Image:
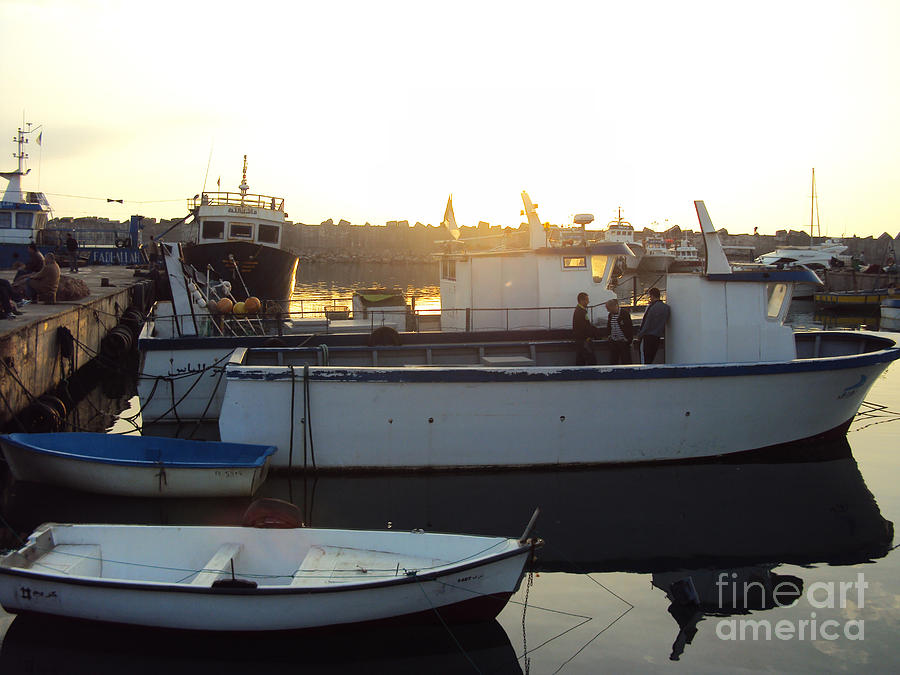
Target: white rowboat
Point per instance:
(255, 579)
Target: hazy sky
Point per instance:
(376, 111)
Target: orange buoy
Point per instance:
(252, 305)
(225, 305)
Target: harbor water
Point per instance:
(746, 565)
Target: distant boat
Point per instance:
(687, 258)
(817, 257)
(657, 256)
(258, 579)
(139, 466)
(25, 215)
(240, 238)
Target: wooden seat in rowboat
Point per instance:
(334, 564)
(218, 565)
(71, 559)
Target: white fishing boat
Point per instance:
(657, 257)
(687, 258)
(258, 579)
(524, 288)
(137, 466)
(529, 291)
(25, 219)
(621, 231)
(728, 385)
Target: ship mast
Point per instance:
(243, 187)
(14, 188)
(814, 209)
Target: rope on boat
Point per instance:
(449, 632)
(874, 411)
(307, 416)
(291, 442)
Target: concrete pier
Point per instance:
(31, 362)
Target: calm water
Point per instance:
(606, 588)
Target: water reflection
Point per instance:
(675, 523)
(695, 594)
(98, 649)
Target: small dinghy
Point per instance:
(255, 579)
(137, 466)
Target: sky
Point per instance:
(377, 111)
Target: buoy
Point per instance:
(253, 305)
(225, 305)
(213, 307)
(240, 308)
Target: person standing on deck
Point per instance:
(72, 248)
(653, 325)
(621, 333)
(584, 330)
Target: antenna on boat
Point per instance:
(243, 187)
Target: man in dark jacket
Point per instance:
(72, 248)
(653, 325)
(621, 333)
(584, 330)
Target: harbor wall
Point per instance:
(35, 357)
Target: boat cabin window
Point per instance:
(267, 234)
(5, 220)
(574, 262)
(240, 231)
(24, 221)
(213, 229)
(598, 267)
(448, 270)
(778, 294)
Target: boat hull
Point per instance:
(474, 590)
(268, 272)
(130, 476)
(471, 417)
(656, 264)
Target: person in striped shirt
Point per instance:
(621, 332)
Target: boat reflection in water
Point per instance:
(673, 522)
(88, 648)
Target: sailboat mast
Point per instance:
(813, 210)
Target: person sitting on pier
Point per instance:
(621, 333)
(35, 260)
(584, 330)
(45, 282)
(8, 309)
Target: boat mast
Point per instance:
(814, 209)
(243, 187)
(14, 191)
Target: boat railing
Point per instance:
(237, 200)
(333, 315)
(91, 237)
